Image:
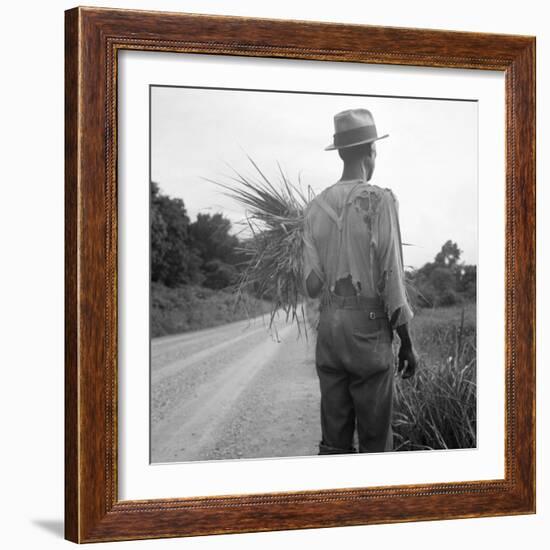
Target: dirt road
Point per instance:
(233, 392)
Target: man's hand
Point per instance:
(408, 361)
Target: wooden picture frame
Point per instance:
(93, 511)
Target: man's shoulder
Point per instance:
(352, 190)
(380, 191)
(323, 196)
(380, 194)
(383, 194)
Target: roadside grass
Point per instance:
(436, 409)
(185, 308)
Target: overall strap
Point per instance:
(331, 213)
(347, 201)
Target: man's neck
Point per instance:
(354, 172)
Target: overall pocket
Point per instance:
(372, 345)
(367, 329)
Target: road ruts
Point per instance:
(235, 391)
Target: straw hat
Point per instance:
(353, 127)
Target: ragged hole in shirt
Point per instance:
(367, 201)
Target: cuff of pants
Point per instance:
(328, 450)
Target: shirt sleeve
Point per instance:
(390, 255)
(311, 260)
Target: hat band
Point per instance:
(355, 135)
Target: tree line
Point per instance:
(202, 252)
(205, 253)
(444, 282)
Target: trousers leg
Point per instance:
(369, 361)
(337, 410)
(373, 400)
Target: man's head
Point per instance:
(354, 137)
(363, 155)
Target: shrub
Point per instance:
(175, 310)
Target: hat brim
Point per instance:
(332, 147)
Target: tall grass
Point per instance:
(436, 409)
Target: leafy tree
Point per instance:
(173, 258)
(211, 236)
(159, 233)
(445, 281)
(219, 275)
(217, 249)
(449, 255)
(203, 252)
(442, 278)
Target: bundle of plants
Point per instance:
(273, 247)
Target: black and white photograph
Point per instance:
(313, 273)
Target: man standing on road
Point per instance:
(353, 261)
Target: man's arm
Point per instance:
(313, 272)
(395, 295)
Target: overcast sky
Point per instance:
(429, 161)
